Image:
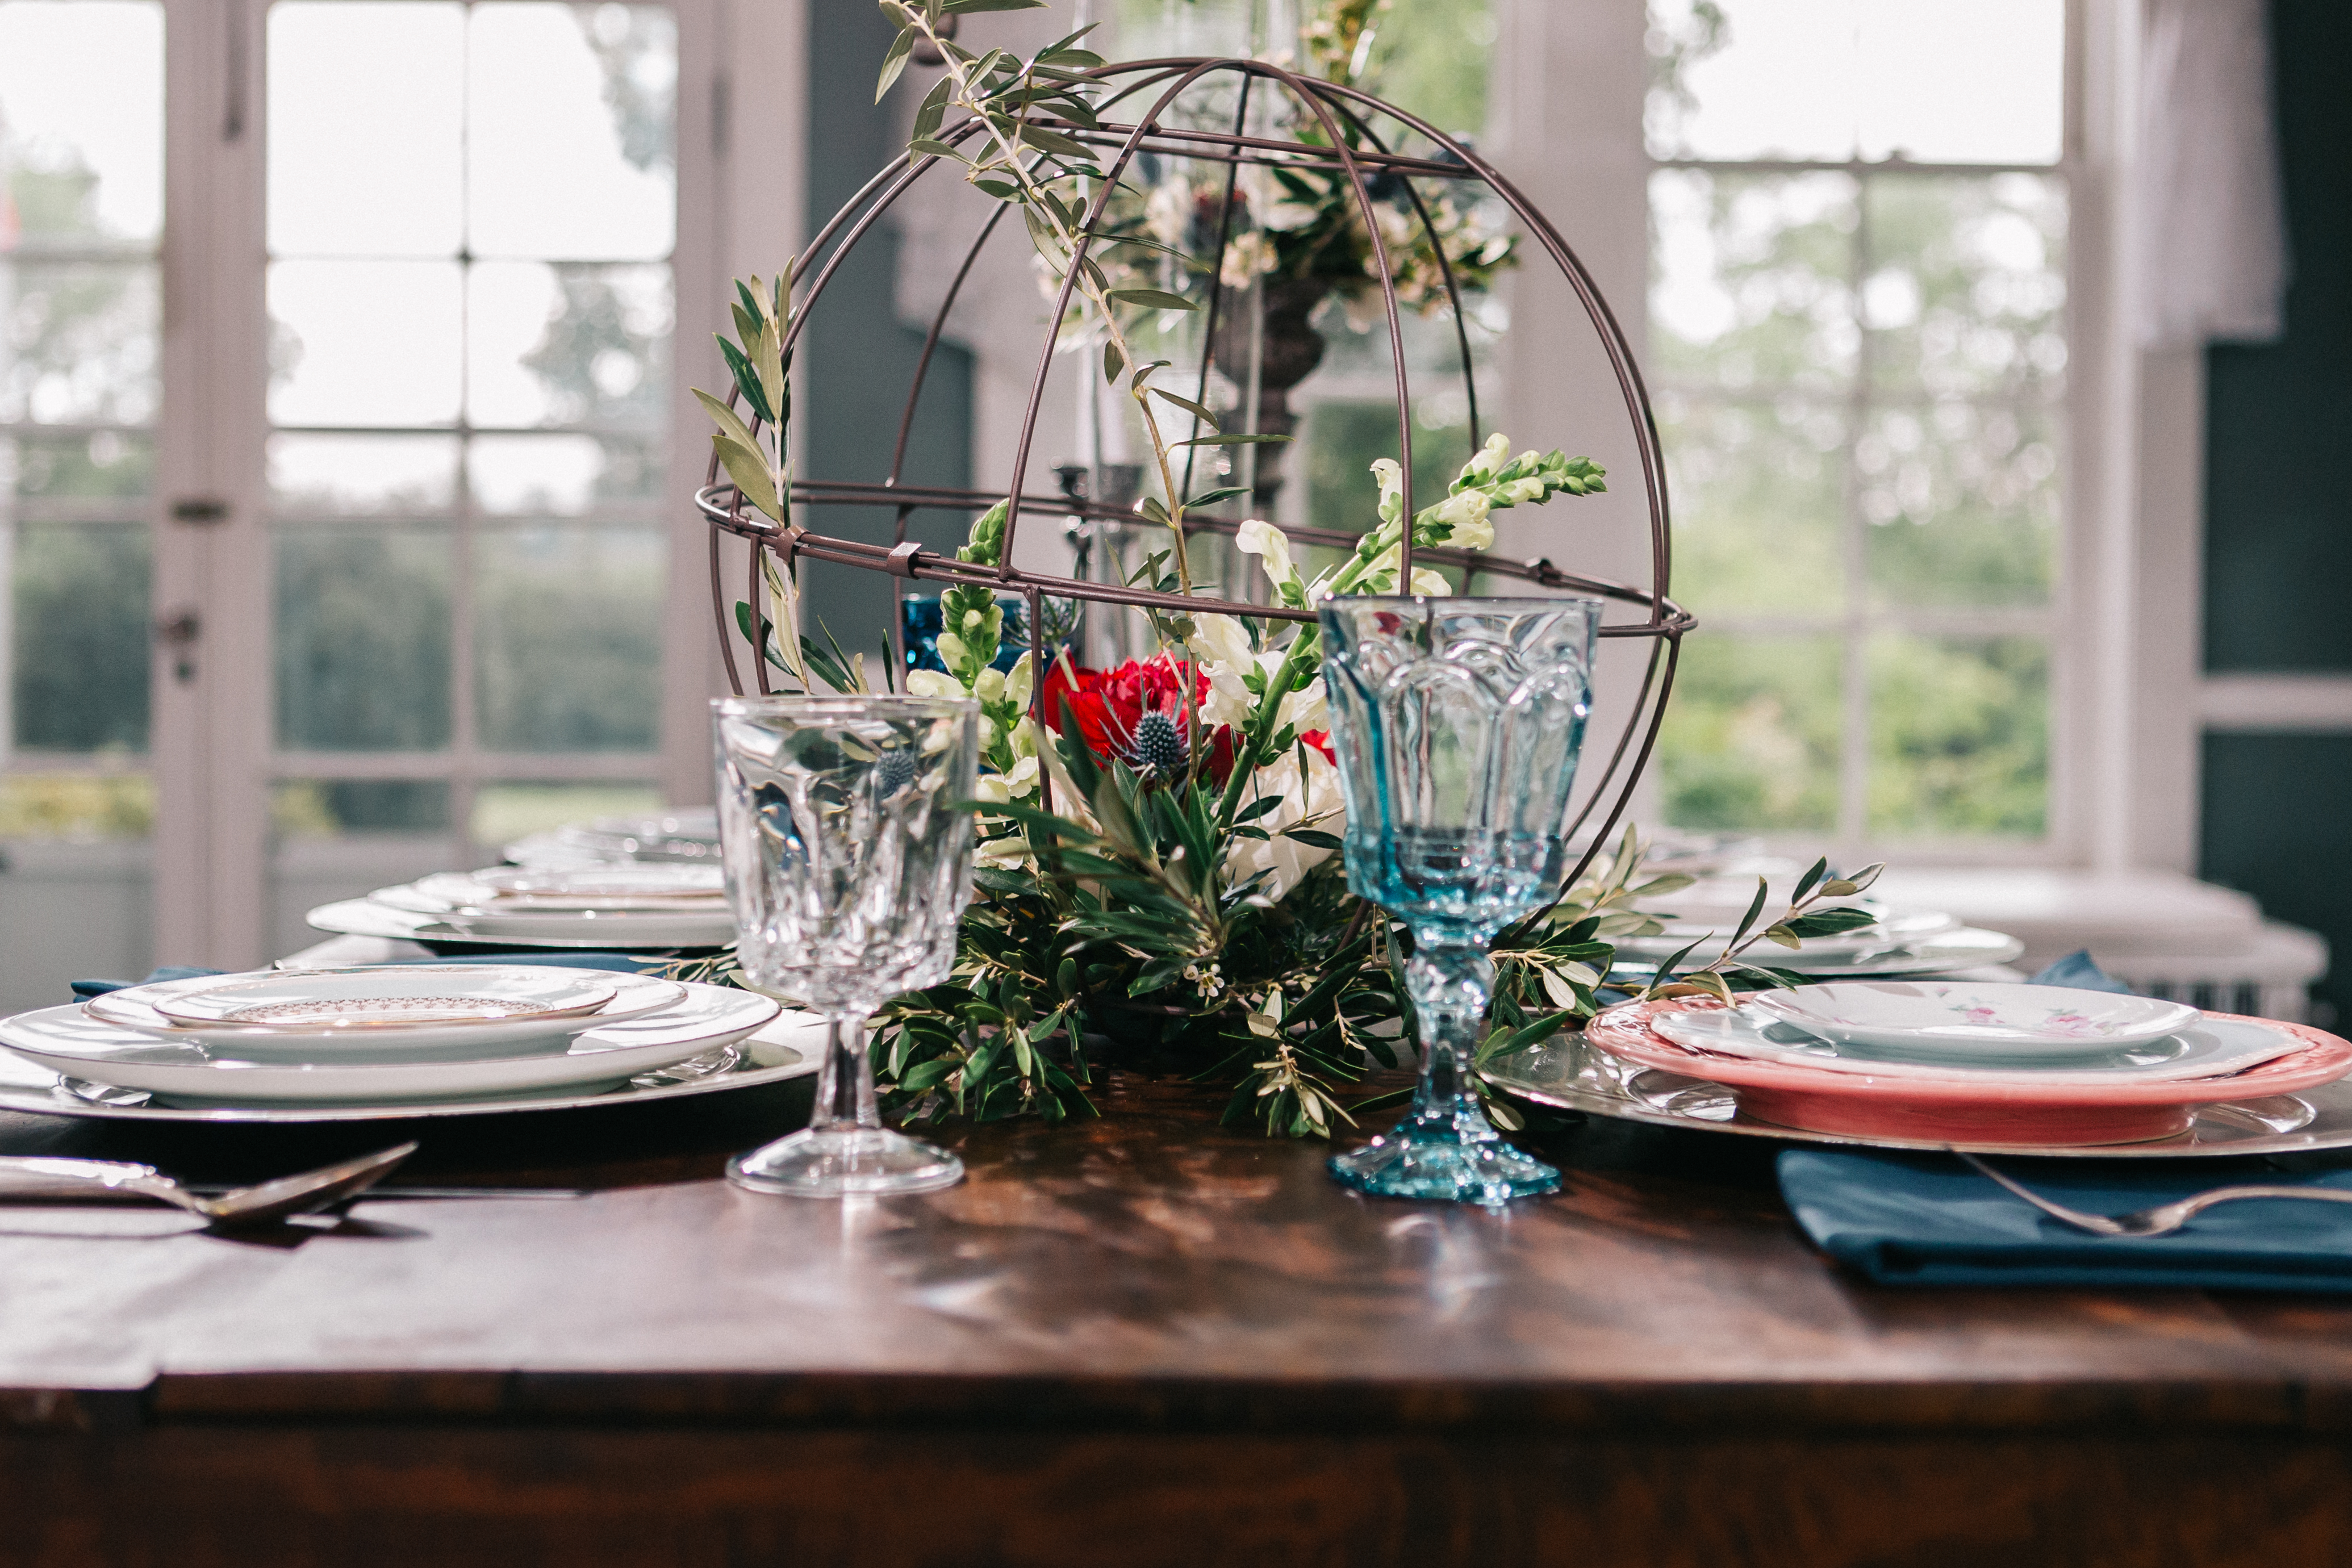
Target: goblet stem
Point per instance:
(846, 1151)
(844, 1084)
(1446, 1147)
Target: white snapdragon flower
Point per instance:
(1430, 582)
(989, 685)
(1222, 647)
(1312, 801)
(1488, 459)
(934, 683)
(1305, 708)
(1391, 474)
(1271, 546)
(1464, 516)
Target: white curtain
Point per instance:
(2212, 239)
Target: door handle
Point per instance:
(179, 630)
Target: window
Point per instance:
(470, 313)
(1858, 351)
(359, 569)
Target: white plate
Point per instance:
(395, 997)
(1963, 947)
(69, 1042)
(136, 1007)
(2204, 1049)
(790, 1047)
(457, 901)
(1893, 928)
(689, 835)
(653, 886)
(1949, 1019)
(370, 917)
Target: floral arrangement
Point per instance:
(1157, 866)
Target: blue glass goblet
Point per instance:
(1457, 723)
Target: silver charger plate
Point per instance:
(1566, 1073)
(24, 1086)
(365, 917)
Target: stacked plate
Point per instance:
(387, 1036)
(1896, 943)
(689, 836)
(625, 906)
(2014, 1065)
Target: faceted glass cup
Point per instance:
(845, 827)
(1457, 723)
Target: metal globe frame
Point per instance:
(1337, 111)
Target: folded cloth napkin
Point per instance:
(617, 963)
(1927, 1219)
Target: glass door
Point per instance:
(470, 215)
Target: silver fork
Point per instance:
(2165, 1217)
(39, 1178)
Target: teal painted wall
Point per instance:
(2278, 488)
(857, 357)
(2278, 509)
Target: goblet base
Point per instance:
(1452, 1154)
(845, 1162)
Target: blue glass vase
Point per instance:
(1457, 723)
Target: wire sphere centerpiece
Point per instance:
(1400, 199)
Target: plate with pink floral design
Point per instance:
(1947, 1019)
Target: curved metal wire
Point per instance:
(1330, 106)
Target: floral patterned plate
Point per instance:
(1924, 1021)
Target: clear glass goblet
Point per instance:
(848, 845)
(1457, 724)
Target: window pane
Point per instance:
(327, 476)
(326, 809)
(364, 342)
(563, 476)
(78, 342)
(567, 638)
(1751, 279)
(1751, 735)
(81, 123)
(1983, 82)
(365, 127)
(570, 135)
(1965, 290)
(567, 345)
(78, 648)
(505, 812)
(362, 638)
(78, 807)
(1963, 504)
(1959, 737)
(1759, 493)
(104, 465)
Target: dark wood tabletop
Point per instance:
(1142, 1339)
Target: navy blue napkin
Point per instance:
(615, 963)
(1927, 1219)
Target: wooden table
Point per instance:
(1140, 1341)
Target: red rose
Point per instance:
(1109, 704)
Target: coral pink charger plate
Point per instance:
(1983, 1109)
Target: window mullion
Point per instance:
(1854, 725)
